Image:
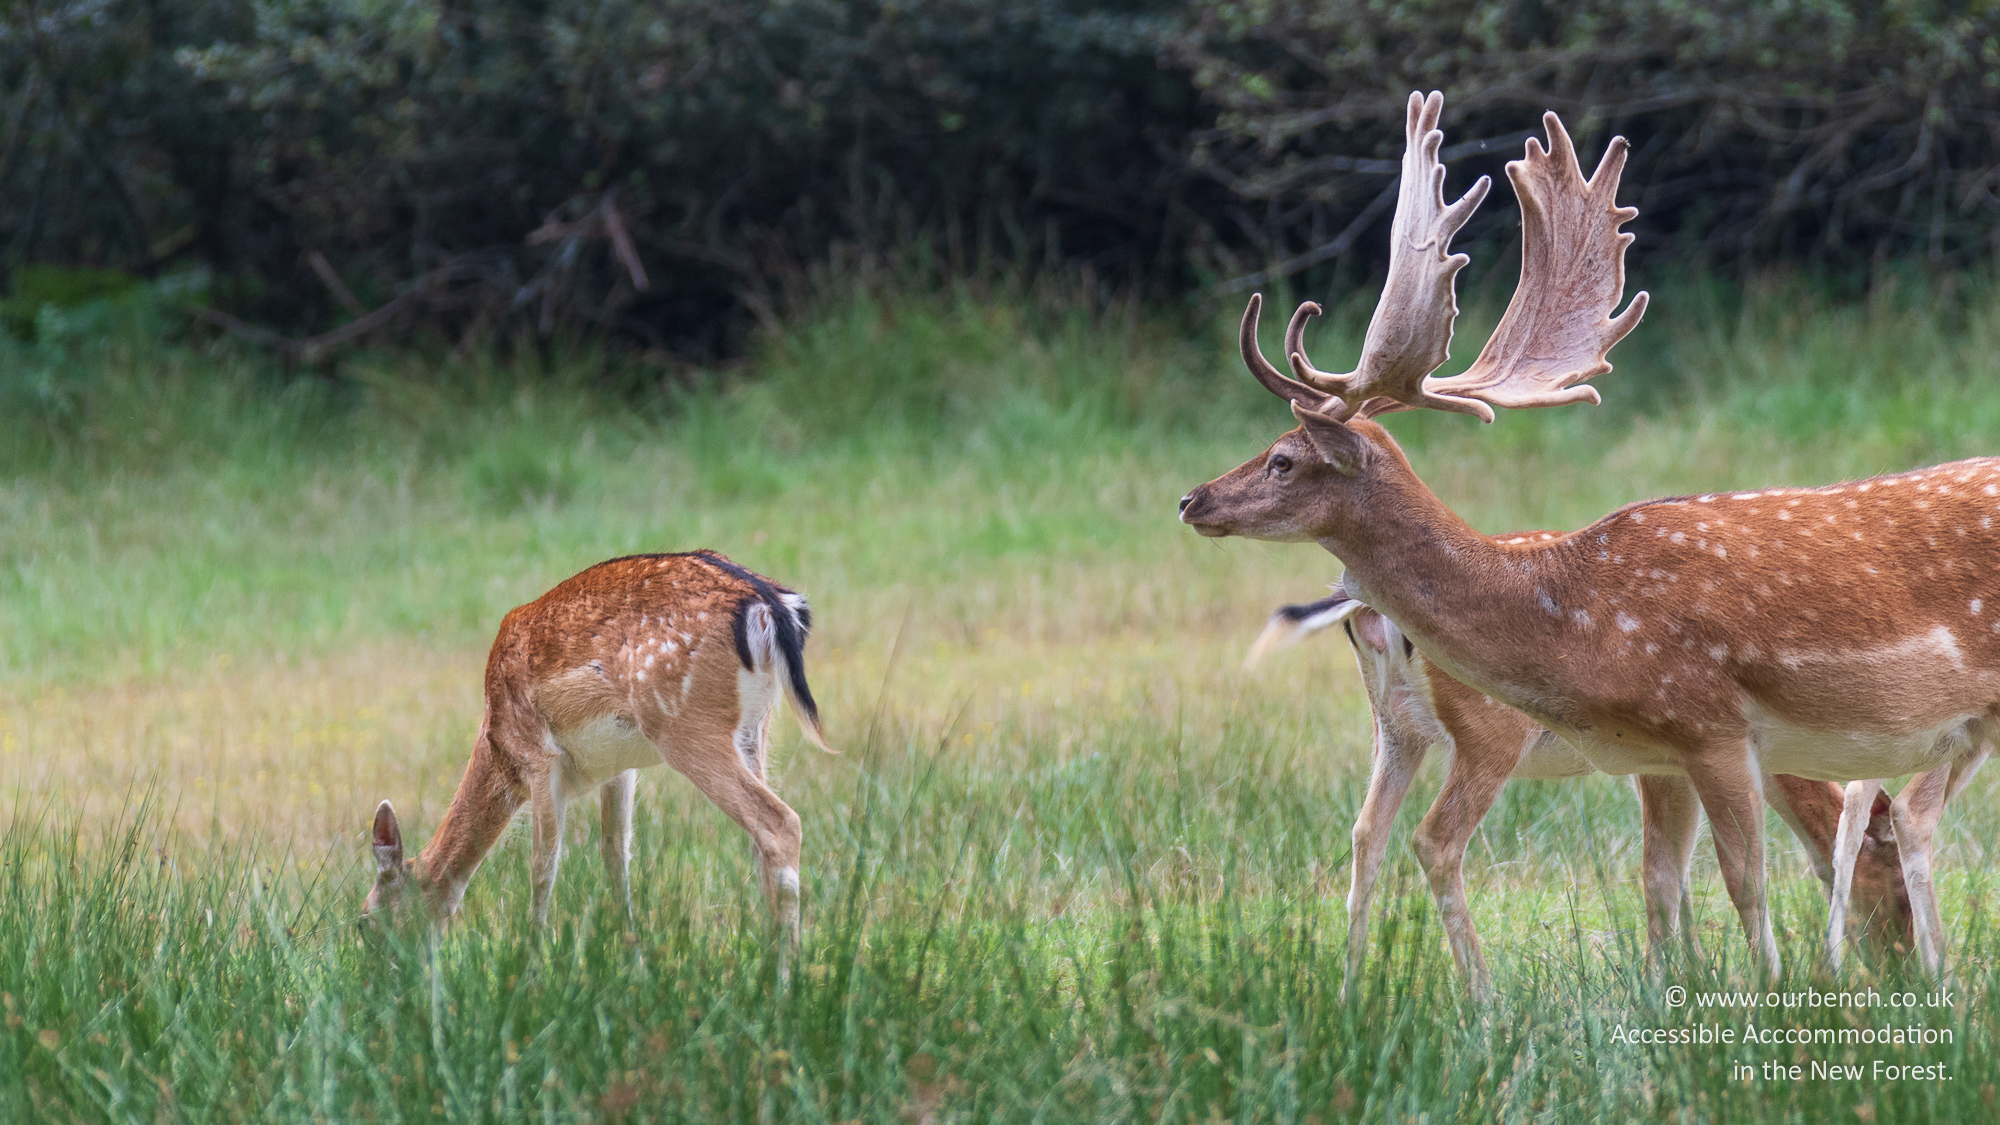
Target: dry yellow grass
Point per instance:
(295, 752)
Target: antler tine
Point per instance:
(1557, 329)
(1295, 352)
(1410, 333)
(1273, 379)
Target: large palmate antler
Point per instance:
(1555, 332)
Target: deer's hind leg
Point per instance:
(1917, 810)
(722, 751)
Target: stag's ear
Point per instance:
(388, 840)
(1342, 448)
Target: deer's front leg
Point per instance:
(1478, 770)
(1876, 892)
(545, 804)
(1670, 819)
(615, 822)
(1732, 795)
(1855, 807)
(1398, 754)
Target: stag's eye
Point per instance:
(1280, 463)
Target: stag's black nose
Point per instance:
(1186, 500)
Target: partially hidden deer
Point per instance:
(1914, 814)
(637, 661)
(1416, 706)
(1831, 633)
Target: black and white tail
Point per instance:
(773, 626)
(1291, 624)
(776, 622)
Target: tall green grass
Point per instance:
(1073, 866)
(1115, 936)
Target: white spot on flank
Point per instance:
(1677, 537)
(1783, 514)
(1654, 650)
(1977, 605)
(649, 661)
(1582, 617)
(1719, 652)
(1627, 622)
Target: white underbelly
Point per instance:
(1548, 757)
(596, 751)
(1620, 756)
(1849, 756)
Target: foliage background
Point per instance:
(316, 159)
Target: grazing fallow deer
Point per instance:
(637, 661)
(1832, 633)
(1416, 706)
(1915, 816)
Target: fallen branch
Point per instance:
(310, 349)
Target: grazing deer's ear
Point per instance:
(1342, 448)
(388, 840)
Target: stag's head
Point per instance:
(1319, 479)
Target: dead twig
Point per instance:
(341, 292)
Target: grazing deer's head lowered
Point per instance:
(1835, 633)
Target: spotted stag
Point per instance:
(1416, 706)
(634, 662)
(1832, 633)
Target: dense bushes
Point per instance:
(1816, 130)
(655, 168)
(669, 171)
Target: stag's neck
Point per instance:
(1488, 613)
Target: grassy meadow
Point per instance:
(1073, 864)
